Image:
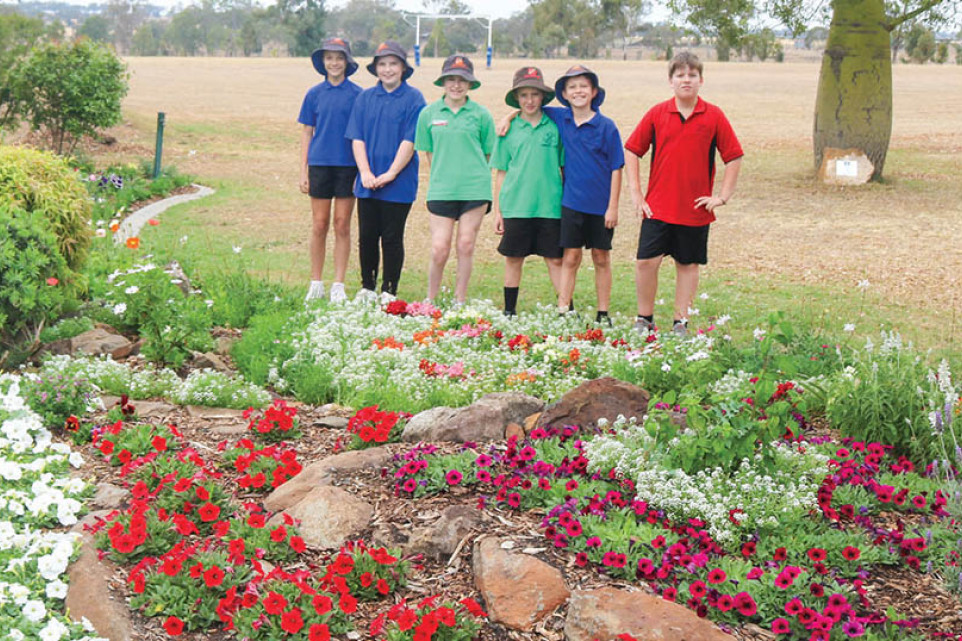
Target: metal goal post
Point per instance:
(487, 21)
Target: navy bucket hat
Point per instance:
(573, 72)
(391, 48)
(340, 45)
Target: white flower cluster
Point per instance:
(37, 492)
(346, 345)
(203, 387)
(732, 385)
(731, 504)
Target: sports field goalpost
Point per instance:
(487, 21)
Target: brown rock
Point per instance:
(89, 595)
(153, 409)
(515, 430)
(607, 612)
(518, 589)
(320, 473)
(331, 422)
(440, 539)
(484, 420)
(329, 516)
(845, 167)
(209, 360)
(603, 397)
(109, 496)
(199, 411)
(224, 345)
(531, 422)
(99, 341)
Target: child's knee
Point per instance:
(601, 259)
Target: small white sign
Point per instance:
(846, 168)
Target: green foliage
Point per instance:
(39, 182)
(95, 27)
(920, 43)
(116, 188)
(17, 34)
(35, 281)
(71, 90)
(66, 328)
(55, 397)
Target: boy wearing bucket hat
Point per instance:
(592, 182)
(382, 127)
(456, 134)
(679, 206)
(527, 192)
(328, 169)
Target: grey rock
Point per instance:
(439, 540)
(109, 496)
(98, 341)
(328, 516)
(484, 420)
(89, 595)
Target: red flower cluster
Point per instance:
(265, 468)
(428, 617)
(370, 426)
(278, 422)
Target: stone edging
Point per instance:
(133, 223)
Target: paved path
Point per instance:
(133, 223)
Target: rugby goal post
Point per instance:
(487, 21)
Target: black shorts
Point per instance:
(584, 230)
(687, 245)
(331, 182)
(526, 236)
(456, 208)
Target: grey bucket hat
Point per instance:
(573, 72)
(458, 65)
(339, 45)
(528, 77)
(391, 48)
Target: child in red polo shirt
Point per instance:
(683, 134)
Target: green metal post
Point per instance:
(159, 147)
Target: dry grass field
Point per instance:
(232, 123)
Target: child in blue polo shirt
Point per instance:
(382, 127)
(328, 169)
(594, 160)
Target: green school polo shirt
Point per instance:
(532, 158)
(459, 143)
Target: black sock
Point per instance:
(571, 305)
(650, 319)
(511, 300)
(600, 316)
(680, 322)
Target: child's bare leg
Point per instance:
(442, 229)
(554, 273)
(570, 263)
(321, 214)
(468, 226)
(512, 270)
(602, 260)
(343, 207)
(686, 284)
(646, 284)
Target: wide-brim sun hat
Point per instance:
(528, 77)
(391, 48)
(573, 72)
(340, 45)
(458, 65)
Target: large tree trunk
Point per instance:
(853, 109)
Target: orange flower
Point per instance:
(115, 227)
(133, 242)
(52, 281)
(153, 222)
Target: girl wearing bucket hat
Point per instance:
(328, 169)
(381, 128)
(456, 135)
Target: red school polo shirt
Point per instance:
(683, 158)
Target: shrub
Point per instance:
(39, 182)
(56, 397)
(17, 35)
(34, 279)
(71, 90)
(66, 328)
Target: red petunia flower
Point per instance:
(213, 577)
(208, 512)
(318, 632)
(292, 621)
(174, 626)
(274, 603)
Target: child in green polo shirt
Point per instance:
(456, 136)
(527, 191)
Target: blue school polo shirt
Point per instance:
(383, 120)
(592, 151)
(327, 108)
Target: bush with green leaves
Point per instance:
(117, 187)
(35, 282)
(38, 182)
(70, 90)
(17, 34)
(56, 397)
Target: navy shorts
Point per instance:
(526, 236)
(331, 182)
(584, 230)
(456, 208)
(687, 245)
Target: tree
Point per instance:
(149, 39)
(124, 17)
(305, 21)
(96, 27)
(920, 43)
(71, 90)
(17, 34)
(623, 17)
(853, 107)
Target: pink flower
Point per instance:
(781, 626)
(453, 477)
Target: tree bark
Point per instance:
(853, 109)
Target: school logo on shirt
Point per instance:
(439, 123)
